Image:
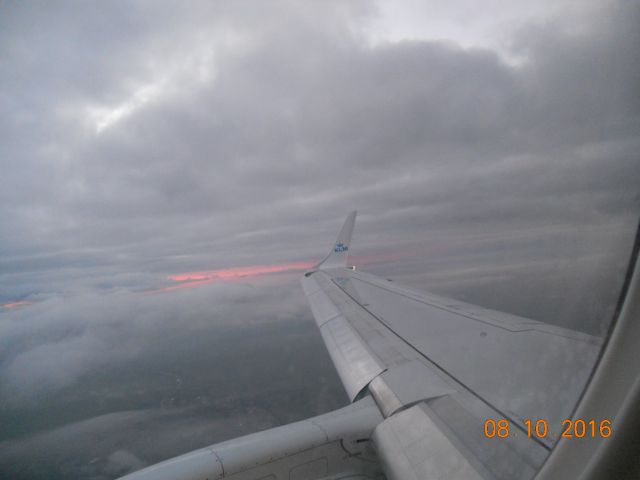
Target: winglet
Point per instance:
(337, 257)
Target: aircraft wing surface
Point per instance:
(439, 368)
(424, 374)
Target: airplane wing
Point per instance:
(425, 373)
(439, 368)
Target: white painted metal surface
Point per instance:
(355, 362)
(526, 369)
(405, 385)
(412, 447)
(468, 362)
(337, 256)
(319, 447)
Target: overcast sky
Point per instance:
(148, 138)
(485, 145)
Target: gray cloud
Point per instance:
(297, 122)
(140, 140)
(51, 344)
(105, 383)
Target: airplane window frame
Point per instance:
(613, 392)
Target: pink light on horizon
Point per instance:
(205, 277)
(18, 304)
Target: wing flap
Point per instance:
(407, 384)
(412, 447)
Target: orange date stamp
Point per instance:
(577, 428)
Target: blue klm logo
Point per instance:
(341, 247)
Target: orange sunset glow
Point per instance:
(205, 277)
(19, 304)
